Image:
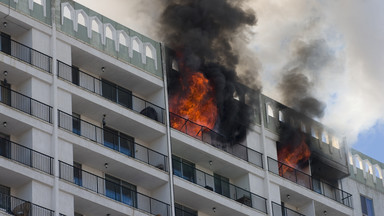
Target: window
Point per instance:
(76, 124)
(181, 210)
(270, 111)
(38, 2)
(67, 12)
(81, 19)
(183, 168)
(5, 93)
(119, 141)
(122, 39)
(135, 45)
(5, 199)
(117, 94)
(95, 26)
(120, 190)
(5, 146)
(148, 52)
(366, 206)
(77, 174)
(221, 185)
(108, 33)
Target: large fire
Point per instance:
(294, 156)
(195, 103)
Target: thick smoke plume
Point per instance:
(203, 35)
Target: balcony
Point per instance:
(25, 53)
(214, 139)
(26, 156)
(112, 190)
(124, 146)
(309, 182)
(110, 91)
(221, 187)
(16, 206)
(25, 104)
(279, 210)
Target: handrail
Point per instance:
(95, 85)
(282, 210)
(309, 182)
(226, 189)
(97, 134)
(25, 104)
(103, 186)
(17, 206)
(25, 53)
(26, 156)
(215, 139)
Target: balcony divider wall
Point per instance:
(112, 190)
(97, 134)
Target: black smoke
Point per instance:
(202, 34)
(309, 60)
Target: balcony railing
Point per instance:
(25, 104)
(221, 187)
(215, 139)
(279, 210)
(25, 53)
(97, 134)
(16, 206)
(26, 156)
(112, 190)
(309, 182)
(110, 91)
(181, 212)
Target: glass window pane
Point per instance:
(127, 145)
(109, 90)
(112, 186)
(111, 138)
(125, 97)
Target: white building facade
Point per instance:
(85, 131)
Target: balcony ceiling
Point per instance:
(92, 64)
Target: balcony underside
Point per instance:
(201, 153)
(119, 165)
(13, 174)
(197, 197)
(137, 81)
(125, 120)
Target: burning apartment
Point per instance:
(97, 119)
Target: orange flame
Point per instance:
(196, 103)
(293, 157)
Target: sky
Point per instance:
(344, 40)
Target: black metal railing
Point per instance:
(181, 212)
(25, 104)
(112, 190)
(97, 134)
(25, 53)
(221, 187)
(279, 210)
(215, 139)
(16, 206)
(26, 156)
(309, 182)
(110, 91)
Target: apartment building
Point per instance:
(86, 130)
